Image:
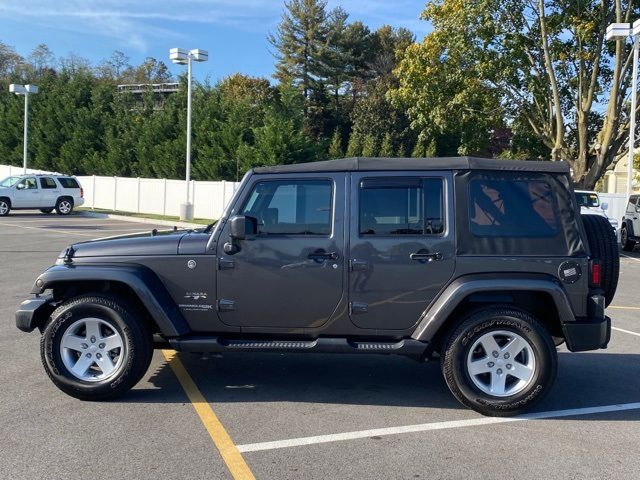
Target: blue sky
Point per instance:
(234, 31)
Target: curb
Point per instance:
(125, 218)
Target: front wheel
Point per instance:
(94, 347)
(499, 361)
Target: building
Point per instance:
(615, 180)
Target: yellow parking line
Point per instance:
(230, 454)
(623, 308)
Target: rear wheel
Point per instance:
(46, 211)
(5, 207)
(94, 347)
(64, 206)
(499, 361)
(627, 244)
(604, 248)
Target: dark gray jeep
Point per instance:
(484, 264)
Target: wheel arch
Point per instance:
(467, 294)
(136, 284)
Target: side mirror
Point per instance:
(604, 206)
(243, 228)
(21, 186)
(240, 228)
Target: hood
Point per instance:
(592, 211)
(141, 244)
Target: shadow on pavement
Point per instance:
(584, 380)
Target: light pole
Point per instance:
(619, 31)
(184, 57)
(25, 90)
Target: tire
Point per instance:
(604, 248)
(627, 244)
(536, 362)
(64, 206)
(115, 320)
(5, 207)
(46, 211)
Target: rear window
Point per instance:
(507, 208)
(587, 199)
(69, 182)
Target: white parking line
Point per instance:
(75, 232)
(625, 331)
(297, 442)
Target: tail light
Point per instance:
(595, 274)
(81, 192)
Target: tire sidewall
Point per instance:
(463, 339)
(52, 336)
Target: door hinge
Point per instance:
(225, 264)
(224, 305)
(358, 307)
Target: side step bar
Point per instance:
(407, 347)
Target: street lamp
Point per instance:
(25, 90)
(181, 56)
(618, 31)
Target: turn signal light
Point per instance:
(595, 274)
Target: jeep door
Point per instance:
(26, 194)
(401, 246)
(290, 275)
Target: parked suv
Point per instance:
(483, 264)
(630, 230)
(589, 203)
(40, 192)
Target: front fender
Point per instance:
(144, 283)
(437, 313)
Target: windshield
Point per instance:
(587, 199)
(9, 182)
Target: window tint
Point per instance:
(507, 208)
(47, 182)
(401, 206)
(297, 207)
(69, 182)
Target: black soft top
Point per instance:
(438, 163)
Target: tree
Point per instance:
(300, 41)
(40, 58)
(335, 147)
(354, 149)
(542, 64)
(386, 149)
(10, 61)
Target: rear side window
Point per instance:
(401, 206)
(47, 182)
(296, 207)
(69, 182)
(508, 208)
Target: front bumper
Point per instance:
(33, 312)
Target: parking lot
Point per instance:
(302, 416)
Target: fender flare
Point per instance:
(628, 224)
(439, 311)
(144, 283)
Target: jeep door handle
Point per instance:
(425, 257)
(319, 256)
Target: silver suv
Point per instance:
(40, 192)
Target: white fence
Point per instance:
(617, 204)
(148, 195)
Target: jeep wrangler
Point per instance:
(486, 265)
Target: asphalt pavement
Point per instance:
(303, 416)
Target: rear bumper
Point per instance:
(32, 312)
(78, 202)
(592, 332)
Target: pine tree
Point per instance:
(370, 146)
(300, 41)
(354, 149)
(386, 149)
(335, 147)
